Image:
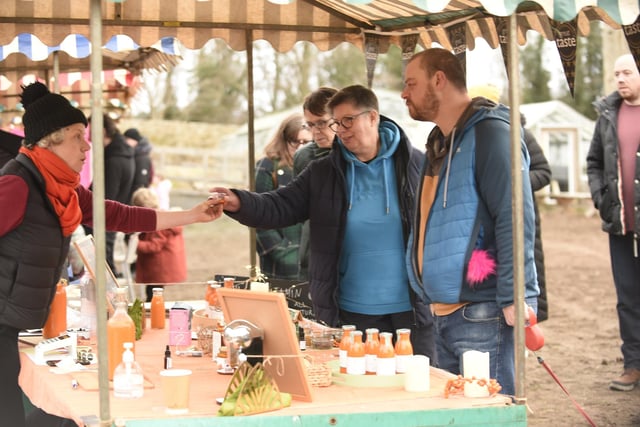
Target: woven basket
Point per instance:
(318, 373)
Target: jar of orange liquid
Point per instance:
(355, 355)
(345, 342)
(371, 346)
(120, 329)
(403, 349)
(386, 358)
(157, 309)
(56, 322)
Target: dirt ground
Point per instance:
(582, 343)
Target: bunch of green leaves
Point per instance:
(136, 312)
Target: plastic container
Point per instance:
(120, 329)
(128, 380)
(157, 309)
(56, 322)
(88, 317)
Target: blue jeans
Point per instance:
(481, 327)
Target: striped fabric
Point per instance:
(326, 23)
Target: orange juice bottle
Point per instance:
(57, 320)
(157, 309)
(355, 354)
(120, 329)
(371, 346)
(386, 358)
(345, 342)
(403, 349)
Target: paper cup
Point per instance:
(175, 388)
(416, 377)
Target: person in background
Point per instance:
(460, 256)
(143, 176)
(279, 248)
(359, 200)
(42, 204)
(161, 254)
(318, 119)
(119, 170)
(613, 173)
(540, 176)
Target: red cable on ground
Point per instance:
(557, 380)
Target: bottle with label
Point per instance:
(386, 359)
(157, 309)
(345, 342)
(403, 349)
(128, 380)
(168, 363)
(356, 364)
(371, 346)
(120, 329)
(88, 317)
(301, 340)
(56, 322)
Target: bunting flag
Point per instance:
(371, 51)
(632, 34)
(408, 45)
(458, 37)
(502, 28)
(566, 35)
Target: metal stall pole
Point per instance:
(252, 145)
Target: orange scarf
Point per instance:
(60, 183)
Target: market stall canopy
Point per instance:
(326, 23)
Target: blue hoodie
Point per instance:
(372, 272)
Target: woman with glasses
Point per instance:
(278, 248)
(359, 201)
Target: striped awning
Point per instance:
(326, 23)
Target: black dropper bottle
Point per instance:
(167, 358)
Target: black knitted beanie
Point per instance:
(46, 112)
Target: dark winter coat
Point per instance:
(603, 169)
(143, 165)
(319, 194)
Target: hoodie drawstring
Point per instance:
(386, 184)
(446, 177)
(351, 190)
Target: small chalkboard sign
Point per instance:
(295, 291)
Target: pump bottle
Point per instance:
(128, 381)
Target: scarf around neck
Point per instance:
(60, 185)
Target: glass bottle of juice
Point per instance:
(345, 342)
(157, 309)
(371, 346)
(355, 355)
(403, 349)
(57, 320)
(120, 329)
(386, 360)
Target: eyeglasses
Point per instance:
(346, 122)
(300, 142)
(320, 124)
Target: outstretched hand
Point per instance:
(231, 201)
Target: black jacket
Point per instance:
(319, 194)
(31, 255)
(603, 171)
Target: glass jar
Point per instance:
(371, 346)
(157, 309)
(355, 355)
(386, 358)
(345, 342)
(403, 349)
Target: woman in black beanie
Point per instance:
(42, 203)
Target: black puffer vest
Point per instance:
(31, 255)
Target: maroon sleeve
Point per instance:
(118, 216)
(13, 202)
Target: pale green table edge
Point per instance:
(512, 416)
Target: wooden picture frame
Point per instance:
(269, 311)
(86, 248)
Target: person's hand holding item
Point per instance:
(510, 314)
(231, 201)
(206, 211)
